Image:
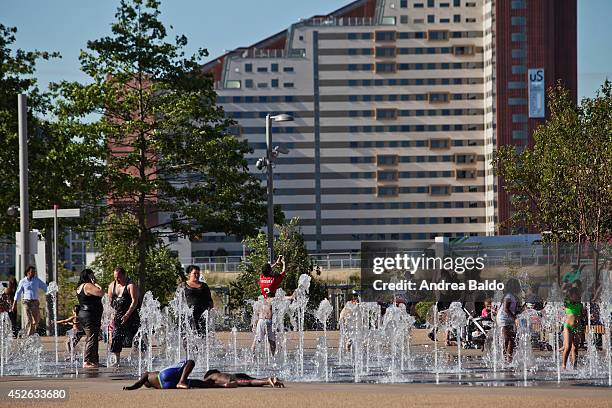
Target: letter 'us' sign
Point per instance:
(537, 93)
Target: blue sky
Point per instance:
(66, 25)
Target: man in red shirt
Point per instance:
(268, 281)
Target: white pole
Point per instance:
(24, 211)
(55, 279)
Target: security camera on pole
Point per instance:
(267, 162)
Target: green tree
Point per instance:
(118, 246)
(62, 169)
(289, 243)
(563, 184)
(171, 161)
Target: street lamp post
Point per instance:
(271, 154)
(24, 226)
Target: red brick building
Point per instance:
(530, 34)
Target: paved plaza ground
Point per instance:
(106, 392)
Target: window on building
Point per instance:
(517, 101)
(387, 175)
(274, 83)
(385, 67)
(518, 37)
(444, 5)
(388, 191)
(439, 97)
(385, 52)
(439, 190)
(387, 159)
(517, 85)
(431, 3)
(403, 3)
(519, 69)
(287, 69)
(403, 19)
(519, 135)
(457, 18)
(431, 18)
(518, 20)
(518, 4)
(456, 3)
(385, 114)
(470, 4)
(519, 53)
(235, 130)
(465, 158)
(248, 83)
(262, 84)
(274, 67)
(437, 35)
(388, 20)
(232, 84)
(288, 85)
(385, 36)
(262, 69)
(418, 5)
(248, 67)
(439, 144)
(519, 118)
(463, 50)
(418, 21)
(466, 174)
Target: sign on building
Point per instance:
(537, 93)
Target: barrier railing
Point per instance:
(347, 260)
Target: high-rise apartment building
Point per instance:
(394, 106)
(535, 48)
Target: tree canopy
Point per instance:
(563, 184)
(62, 170)
(170, 159)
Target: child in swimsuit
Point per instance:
(571, 326)
(172, 377)
(177, 375)
(77, 330)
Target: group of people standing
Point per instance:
(86, 320)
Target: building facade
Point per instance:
(536, 37)
(394, 106)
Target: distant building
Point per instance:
(394, 120)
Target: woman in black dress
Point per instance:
(198, 297)
(90, 295)
(124, 300)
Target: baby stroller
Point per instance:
(473, 334)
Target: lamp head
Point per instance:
(12, 211)
(281, 150)
(283, 117)
(261, 163)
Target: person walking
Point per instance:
(198, 297)
(28, 288)
(125, 322)
(90, 295)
